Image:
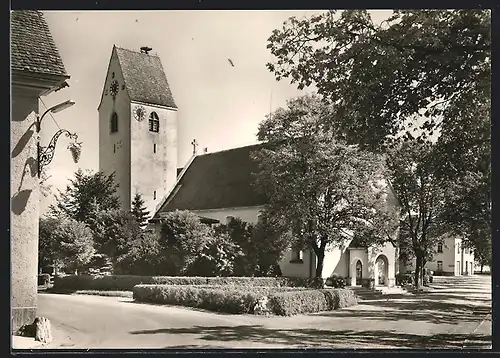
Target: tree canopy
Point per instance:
(66, 242)
(326, 190)
(377, 76)
(86, 194)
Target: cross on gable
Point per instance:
(194, 143)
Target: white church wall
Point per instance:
(290, 267)
(114, 148)
(153, 154)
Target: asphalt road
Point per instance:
(454, 315)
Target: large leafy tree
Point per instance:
(116, 232)
(418, 74)
(141, 257)
(66, 242)
(87, 193)
(325, 189)
(379, 75)
(46, 246)
(421, 194)
(182, 239)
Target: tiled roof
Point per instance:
(144, 78)
(217, 180)
(32, 47)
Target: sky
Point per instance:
(218, 105)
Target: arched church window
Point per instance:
(114, 122)
(154, 122)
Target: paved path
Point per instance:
(452, 316)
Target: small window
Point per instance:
(297, 255)
(154, 147)
(458, 249)
(440, 248)
(440, 265)
(466, 251)
(154, 122)
(154, 195)
(114, 148)
(114, 122)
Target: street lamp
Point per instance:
(46, 154)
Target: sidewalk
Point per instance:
(19, 342)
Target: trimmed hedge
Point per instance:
(284, 301)
(127, 282)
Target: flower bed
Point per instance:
(284, 301)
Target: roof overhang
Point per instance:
(154, 105)
(39, 83)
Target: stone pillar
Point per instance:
(24, 186)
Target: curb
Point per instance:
(466, 341)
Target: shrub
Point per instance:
(121, 283)
(346, 298)
(292, 303)
(336, 281)
(43, 279)
(127, 282)
(219, 299)
(308, 301)
(405, 279)
(284, 301)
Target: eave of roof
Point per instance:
(33, 49)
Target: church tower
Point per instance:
(138, 127)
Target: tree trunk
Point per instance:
(482, 268)
(319, 264)
(417, 272)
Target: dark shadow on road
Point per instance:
(323, 338)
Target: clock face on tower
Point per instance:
(113, 88)
(139, 113)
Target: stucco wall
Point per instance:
(114, 148)
(335, 262)
(291, 268)
(24, 188)
(152, 171)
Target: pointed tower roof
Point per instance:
(145, 79)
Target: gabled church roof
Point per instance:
(144, 78)
(32, 47)
(217, 180)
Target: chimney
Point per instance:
(145, 49)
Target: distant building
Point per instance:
(138, 127)
(218, 187)
(450, 259)
(37, 69)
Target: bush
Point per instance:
(121, 282)
(405, 279)
(284, 301)
(309, 301)
(336, 281)
(43, 279)
(219, 299)
(292, 303)
(127, 282)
